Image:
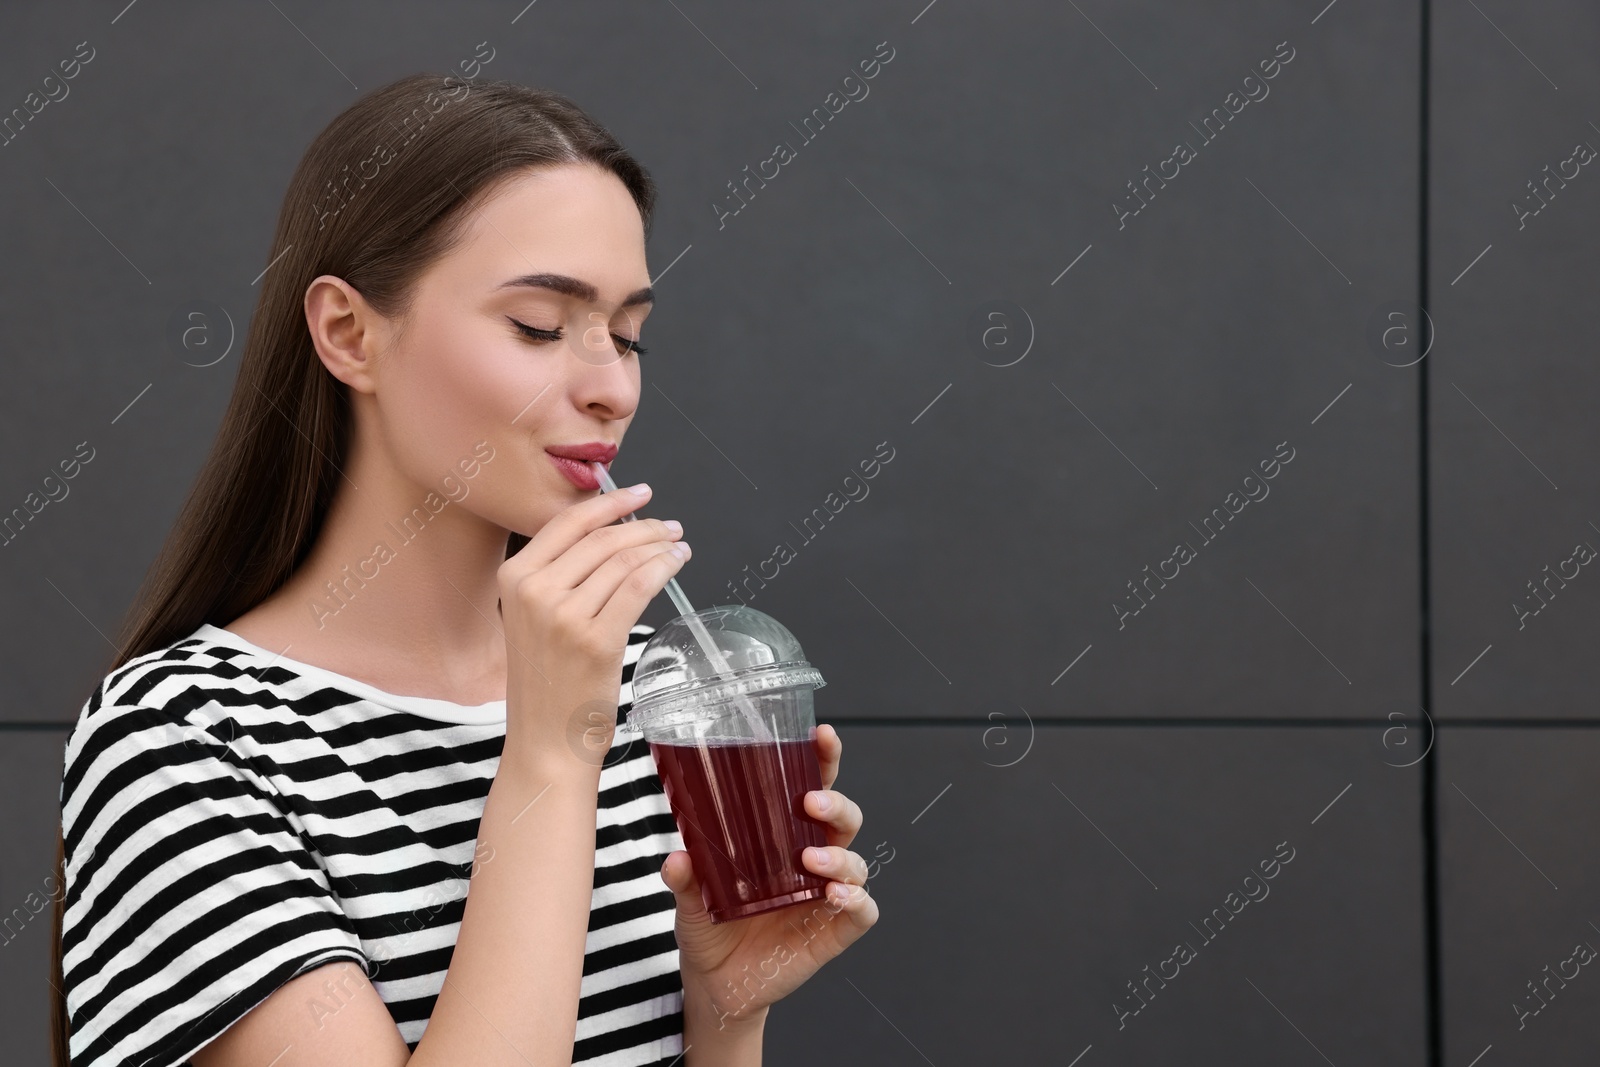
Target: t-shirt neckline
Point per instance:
(430, 707)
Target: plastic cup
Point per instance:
(738, 800)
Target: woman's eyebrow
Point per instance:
(570, 286)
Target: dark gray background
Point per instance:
(1053, 829)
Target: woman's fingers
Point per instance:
(680, 878)
(839, 864)
(573, 523)
(640, 586)
(829, 747)
(858, 905)
(840, 815)
(595, 592)
(600, 547)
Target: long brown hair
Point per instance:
(379, 195)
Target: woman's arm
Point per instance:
(510, 997)
(712, 1039)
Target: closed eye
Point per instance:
(533, 332)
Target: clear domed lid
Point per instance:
(759, 652)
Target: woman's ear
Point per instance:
(346, 331)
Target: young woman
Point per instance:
(344, 798)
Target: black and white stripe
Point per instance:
(233, 819)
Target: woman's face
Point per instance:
(467, 401)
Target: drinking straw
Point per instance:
(719, 662)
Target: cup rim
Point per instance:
(745, 681)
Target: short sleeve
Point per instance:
(190, 895)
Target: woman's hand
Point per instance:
(568, 600)
(781, 948)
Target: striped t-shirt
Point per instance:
(234, 818)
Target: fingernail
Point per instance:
(642, 489)
(816, 855)
(674, 525)
(824, 802)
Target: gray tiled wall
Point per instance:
(1069, 396)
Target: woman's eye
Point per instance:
(533, 332)
(536, 333)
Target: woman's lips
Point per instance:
(578, 473)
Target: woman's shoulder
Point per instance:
(171, 675)
(178, 847)
(145, 705)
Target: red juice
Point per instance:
(739, 807)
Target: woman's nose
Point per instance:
(601, 379)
